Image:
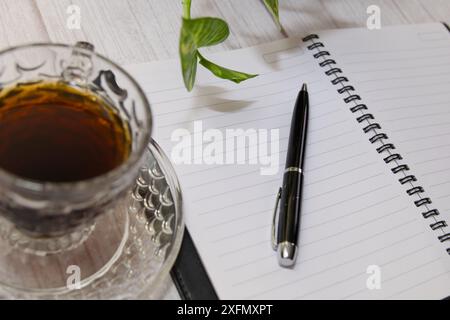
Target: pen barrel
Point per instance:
(290, 207)
(297, 135)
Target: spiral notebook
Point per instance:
(377, 177)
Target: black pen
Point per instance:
(290, 194)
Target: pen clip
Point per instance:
(273, 238)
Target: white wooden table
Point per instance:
(133, 31)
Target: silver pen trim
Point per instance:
(293, 169)
(274, 222)
(287, 254)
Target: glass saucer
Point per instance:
(127, 254)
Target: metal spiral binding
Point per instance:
(380, 138)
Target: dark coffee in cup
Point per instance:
(54, 132)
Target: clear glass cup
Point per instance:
(52, 217)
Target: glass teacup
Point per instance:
(50, 216)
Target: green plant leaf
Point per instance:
(206, 31)
(272, 7)
(197, 33)
(224, 73)
(188, 57)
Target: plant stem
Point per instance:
(187, 9)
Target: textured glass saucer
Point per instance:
(127, 254)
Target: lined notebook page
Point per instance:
(405, 84)
(354, 213)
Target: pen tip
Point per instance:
(304, 88)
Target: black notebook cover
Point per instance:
(189, 274)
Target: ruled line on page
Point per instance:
(431, 160)
(224, 223)
(218, 210)
(305, 244)
(213, 167)
(289, 102)
(345, 133)
(409, 50)
(390, 214)
(273, 271)
(209, 196)
(396, 68)
(410, 96)
(422, 126)
(343, 201)
(421, 105)
(440, 183)
(234, 125)
(421, 116)
(398, 275)
(281, 152)
(442, 146)
(278, 81)
(436, 171)
(393, 60)
(256, 170)
(363, 275)
(351, 213)
(404, 77)
(316, 105)
(298, 279)
(229, 176)
(421, 85)
(215, 116)
(442, 196)
(369, 253)
(302, 228)
(215, 82)
(330, 163)
(305, 214)
(221, 223)
(241, 233)
(349, 184)
(365, 166)
(209, 104)
(271, 256)
(425, 137)
(277, 269)
(421, 283)
(282, 59)
(259, 108)
(265, 241)
(413, 269)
